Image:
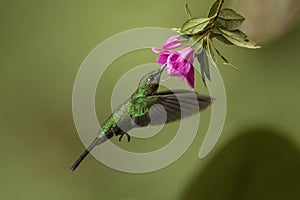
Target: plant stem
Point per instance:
(215, 17)
(219, 9)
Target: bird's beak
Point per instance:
(160, 72)
(162, 68)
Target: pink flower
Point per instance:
(180, 62)
(170, 44)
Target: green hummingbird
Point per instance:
(138, 110)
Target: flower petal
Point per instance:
(172, 72)
(190, 78)
(179, 63)
(188, 54)
(173, 57)
(171, 43)
(181, 78)
(184, 67)
(162, 58)
(156, 50)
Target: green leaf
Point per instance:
(216, 30)
(204, 65)
(233, 66)
(221, 38)
(176, 29)
(230, 19)
(211, 53)
(194, 41)
(187, 10)
(194, 26)
(225, 59)
(184, 39)
(239, 38)
(213, 8)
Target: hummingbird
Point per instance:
(139, 110)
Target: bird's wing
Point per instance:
(167, 106)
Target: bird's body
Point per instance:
(138, 110)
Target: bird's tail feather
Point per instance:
(96, 141)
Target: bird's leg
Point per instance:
(122, 134)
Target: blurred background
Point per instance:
(42, 45)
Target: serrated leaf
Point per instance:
(239, 38)
(194, 26)
(213, 9)
(204, 66)
(187, 10)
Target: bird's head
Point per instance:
(150, 82)
(152, 78)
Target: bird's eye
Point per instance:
(150, 78)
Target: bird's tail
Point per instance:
(96, 141)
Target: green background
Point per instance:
(42, 45)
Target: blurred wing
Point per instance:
(168, 106)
